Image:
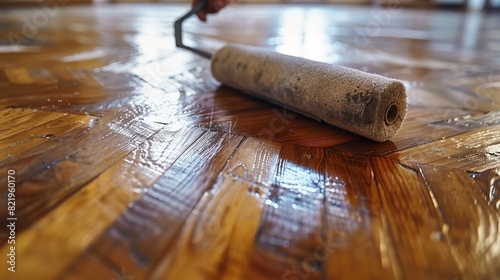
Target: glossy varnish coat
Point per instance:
(132, 162)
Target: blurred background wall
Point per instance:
(460, 4)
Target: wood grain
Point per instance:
(290, 228)
(357, 229)
(463, 208)
(473, 151)
(143, 244)
(213, 234)
(111, 193)
(404, 196)
(132, 162)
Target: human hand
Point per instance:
(213, 6)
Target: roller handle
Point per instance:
(178, 29)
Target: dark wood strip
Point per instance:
(291, 226)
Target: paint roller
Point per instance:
(367, 104)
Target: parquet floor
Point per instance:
(127, 160)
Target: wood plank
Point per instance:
(357, 229)
(414, 221)
(142, 235)
(291, 226)
(44, 184)
(477, 150)
(39, 134)
(213, 242)
(152, 158)
(24, 119)
(171, 176)
(470, 224)
(86, 90)
(97, 205)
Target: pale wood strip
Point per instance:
(471, 226)
(358, 243)
(10, 114)
(414, 221)
(22, 142)
(47, 149)
(477, 150)
(162, 72)
(17, 121)
(418, 129)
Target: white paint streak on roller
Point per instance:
(366, 104)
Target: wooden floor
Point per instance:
(127, 160)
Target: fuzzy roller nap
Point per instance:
(366, 104)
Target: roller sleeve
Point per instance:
(367, 104)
